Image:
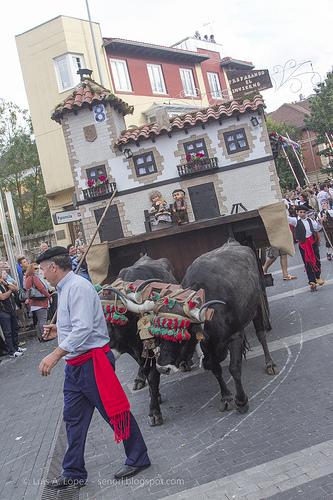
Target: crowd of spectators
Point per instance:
(30, 302)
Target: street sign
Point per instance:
(247, 82)
(65, 217)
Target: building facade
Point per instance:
(236, 164)
(179, 79)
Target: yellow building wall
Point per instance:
(37, 48)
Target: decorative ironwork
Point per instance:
(197, 165)
(291, 72)
(99, 190)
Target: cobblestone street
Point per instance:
(281, 449)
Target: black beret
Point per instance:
(50, 253)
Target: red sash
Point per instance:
(110, 390)
(309, 255)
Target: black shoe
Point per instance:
(61, 482)
(129, 471)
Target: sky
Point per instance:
(288, 37)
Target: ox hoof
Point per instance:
(272, 369)
(155, 420)
(243, 408)
(227, 405)
(138, 384)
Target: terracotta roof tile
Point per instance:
(88, 93)
(190, 120)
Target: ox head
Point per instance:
(172, 356)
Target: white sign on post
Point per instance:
(65, 217)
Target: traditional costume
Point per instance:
(179, 206)
(90, 379)
(306, 235)
(327, 221)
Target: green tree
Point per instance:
(20, 171)
(287, 180)
(321, 116)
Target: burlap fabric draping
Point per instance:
(275, 220)
(98, 262)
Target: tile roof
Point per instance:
(87, 93)
(292, 113)
(190, 120)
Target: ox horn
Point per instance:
(146, 282)
(147, 306)
(201, 313)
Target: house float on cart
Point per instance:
(219, 156)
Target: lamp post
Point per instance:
(94, 44)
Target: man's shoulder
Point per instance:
(77, 282)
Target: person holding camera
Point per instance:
(8, 319)
(39, 297)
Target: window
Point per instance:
(214, 84)
(194, 147)
(186, 76)
(66, 67)
(156, 78)
(120, 75)
(144, 164)
(236, 141)
(95, 172)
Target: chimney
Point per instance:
(84, 73)
(162, 118)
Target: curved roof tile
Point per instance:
(88, 93)
(190, 119)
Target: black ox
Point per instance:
(124, 339)
(230, 274)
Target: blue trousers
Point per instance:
(81, 397)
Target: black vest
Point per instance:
(328, 224)
(300, 231)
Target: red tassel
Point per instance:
(191, 304)
(166, 301)
(121, 426)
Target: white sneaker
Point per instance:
(16, 354)
(21, 349)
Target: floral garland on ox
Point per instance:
(102, 179)
(115, 315)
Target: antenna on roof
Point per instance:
(84, 73)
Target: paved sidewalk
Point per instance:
(30, 408)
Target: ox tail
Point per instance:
(245, 346)
(265, 311)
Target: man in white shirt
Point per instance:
(306, 236)
(323, 195)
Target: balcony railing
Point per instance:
(94, 192)
(196, 166)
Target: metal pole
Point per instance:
(12, 216)
(299, 161)
(290, 165)
(94, 44)
(8, 242)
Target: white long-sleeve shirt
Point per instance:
(316, 226)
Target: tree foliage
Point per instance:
(321, 118)
(20, 171)
(286, 178)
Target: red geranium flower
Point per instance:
(91, 182)
(102, 178)
(188, 157)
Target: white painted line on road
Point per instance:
(297, 291)
(274, 345)
(269, 478)
(292, 268)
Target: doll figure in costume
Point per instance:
(179, 206)
(159, 208)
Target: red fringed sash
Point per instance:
(309, 254)
(110, 390)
